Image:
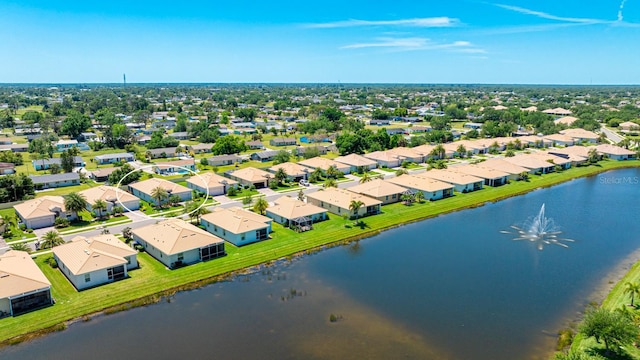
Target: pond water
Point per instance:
(452, 287)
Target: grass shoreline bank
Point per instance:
(72, 306)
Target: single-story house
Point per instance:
(15, 147)
(264, 156)
(513, 170)
(162, 152)
(55, 180)
(581, 135)
(23, 286)
(566, 120)
(251, 176)
(63, 145)
(418, 129)
(42, 212)
(379, 122)
(319, 149)
(324, 164)
(295, 172)
(338, 201)
(200, 148)
(629, 126)
(102, 174)
(44, 164)
(576, 154)
(283, 141)
(175, 243)
(472, 125)
(181, 135)
(295, 213)
(114, 158)
(216, 184)
(431, 189)
(112, 196)
(385, 158)
(7, 168)
(236, 225)
(143, 189)
(90, 262)
(615, 152)
(174, 167)
(492, 177)
(87, 136)
(357, 163)
(408, 154)
(535, 141)
(168, 123)
(560, 140)
(558, 111)
(253, 145)
(385, 191)
(533, 163)
(222, 160)
(461, 182)
(561, 161)
(143, 139)
(394, 131)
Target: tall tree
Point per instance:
(366, 177)
(632, 289)
(613, 328)
(159, 194)
(260, 206)
(280, 176)
(75, 202)
(75, 123)
(51, 239)
(99, 206)
(355, 206)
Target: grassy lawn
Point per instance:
(150, 209)
(387, 169)
(66, 190)
(152, 278)
(244, 192)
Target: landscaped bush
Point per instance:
(52, 262)
(232, 191)
(61, 223)
(23, 227)
(139, 247)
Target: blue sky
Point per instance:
(455, 41)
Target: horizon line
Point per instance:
(312, 83)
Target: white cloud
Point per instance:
(547, 16)
(416, 43)
(416, 22)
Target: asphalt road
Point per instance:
(611, 135)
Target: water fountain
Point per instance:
(539, 230)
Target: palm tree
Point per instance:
(406, 198)
(419, 196)
(301, 195)
(355, 206)
(280, 176)
(316, 175)
(75, 203)
(20, 247)
(366, 177)
(593, 156)
(632, 289)
(51, 239)
(331, 183)
(8, 222)
(438, 151)
(159, 194)
(333, 172)
(401, 172)
(524, 176)
(517, 144)
(625, 143)
(461, 150)
(100, 205)
(260, 206)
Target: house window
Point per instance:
(243, 236)
(215, 228)
(180, 256)
(87, 277)
(224, 232)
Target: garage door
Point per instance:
(40, 222)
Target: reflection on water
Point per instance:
(446, 288)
